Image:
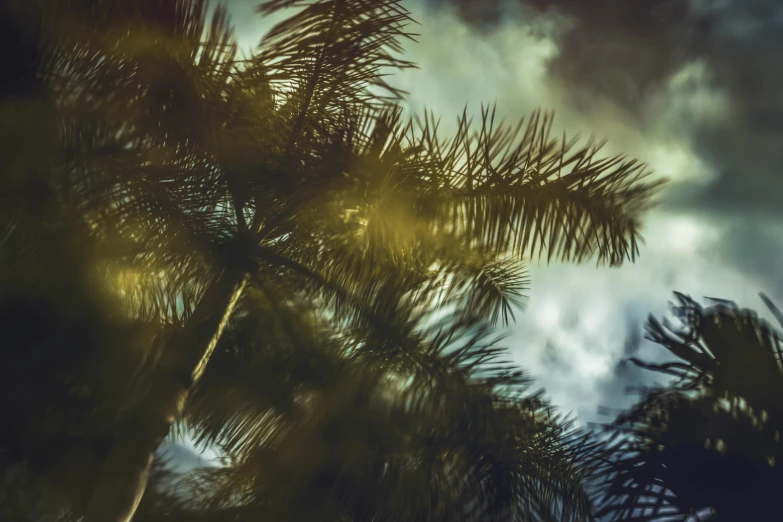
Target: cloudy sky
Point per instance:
(691, 87)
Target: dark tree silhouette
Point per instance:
(710, 442)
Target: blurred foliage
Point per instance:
(708, 444)
(373, 434)
(156, 189)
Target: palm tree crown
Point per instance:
(212, 190)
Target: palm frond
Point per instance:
(532, 193)
(332, 53)
(344, 378)
(493, 289)
(439, 388)
(688, 448)
(774, 309)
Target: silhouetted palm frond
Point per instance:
(529, 193)
(451, 435)
(492, 290)
(711, 440)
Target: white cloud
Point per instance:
(573, 333)
(574, 330)
(460, 66)
(679, 235)
(549, 313)
(603, 301)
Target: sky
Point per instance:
(690, 87)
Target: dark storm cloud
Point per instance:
(627, 51)
(746, 54)
(483, 14)
(755, 247)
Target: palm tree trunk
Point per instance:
(123, 477)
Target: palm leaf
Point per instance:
(709, 440)
(532, 193)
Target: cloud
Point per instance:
(577, 354)
(511, 63)
(658, 78)
(689, 86)
(627, 54)
(459, 66)
(754, 246)
(692, 85)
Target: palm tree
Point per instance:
(204, 176)
(710, 442)
(423, 421)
